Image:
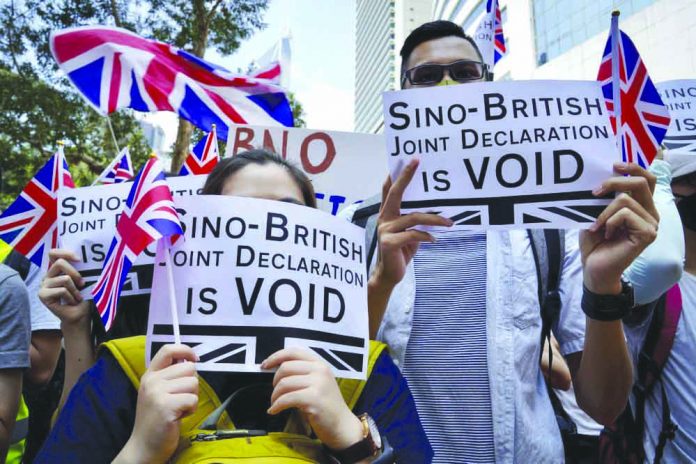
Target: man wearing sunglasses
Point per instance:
(461, 316)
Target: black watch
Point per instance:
(608, 307)
(369, 447)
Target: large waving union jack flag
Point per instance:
(148, 215)
(119, 170)
(644, 117)
(489, 35)
(29, 224)
(115, 68)
(203, 158)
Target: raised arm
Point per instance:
(602, 372)
(59, 292)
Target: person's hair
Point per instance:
(431, 31)
(229, 166)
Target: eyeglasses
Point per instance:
(430, 74)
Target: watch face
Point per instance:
(374, 433)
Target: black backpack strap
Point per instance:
(548, 248)
(669, 428)
(366, 217)
(19, 263)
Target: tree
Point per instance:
(34, 116)
(193, 25)
(298, 113)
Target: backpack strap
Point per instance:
(366, 217)
(652, 359)
(18, 262)
(548, 249)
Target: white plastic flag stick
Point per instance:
(170, 285)
(616, 77)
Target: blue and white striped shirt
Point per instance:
(446, 358)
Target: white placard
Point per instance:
(505, 154)
(680, 98)
(345, 167)
(254, 276)
(87, 220)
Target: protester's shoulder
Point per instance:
(10, 281)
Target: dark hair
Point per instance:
(228, 166)
(431, 31)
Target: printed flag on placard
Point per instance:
(644, 117)
(489, 36)
(114, 68)
(30, 223)
(148, 215)
(119, 170)
(203, 158)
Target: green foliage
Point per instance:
(34, 116)
(298, 113)
(38, 106)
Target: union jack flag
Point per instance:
(203, 158)
(148, 215)
(119, 170)
(30, 223)
(115, 68)
(644, 117)
(489, 36)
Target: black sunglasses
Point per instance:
(460, 71)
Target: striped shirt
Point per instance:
(446, 358)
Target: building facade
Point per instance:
(380, 28)
(564, 39)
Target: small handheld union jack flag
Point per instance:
(148, 215)
(643, 117)
(203, 158)
(119, 170)
(29, 224)
(489, 36)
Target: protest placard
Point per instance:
(255, 276)
(344, 167)
(87, 220)
(680, 98)
(504, 154)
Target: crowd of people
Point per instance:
(498, 346)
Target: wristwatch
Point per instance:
(608, 307)
(369, 447)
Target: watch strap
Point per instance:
(356, 452)
(608, 307)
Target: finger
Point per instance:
(170, 353)
(401, 239)
(629, 220)
(295, 399)
(63, 267)
(52, 296)
(392, 204)
(183, 404)
(637, 187)
(414, 219)
(290, 368)
(177, 370)
(288, 354)
(619, 203)
(290, 384)
(187, 384)
(61, 253)
(386, 185)
(66, 282)
(634, 169)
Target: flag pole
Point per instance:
(616, 78)
(172, 294)
(113, 135)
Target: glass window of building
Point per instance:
(559, 25)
